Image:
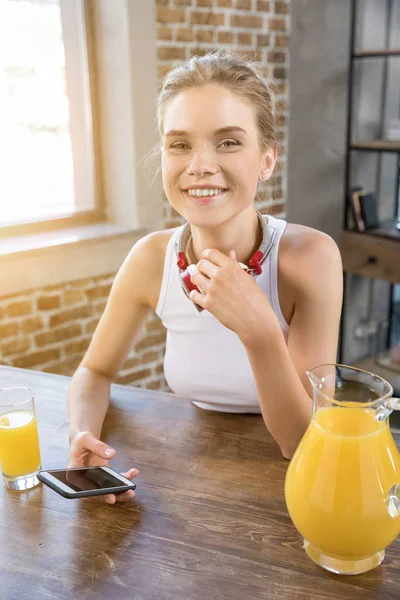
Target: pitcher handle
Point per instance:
(393, 501)
(387, 408)
(393, 403)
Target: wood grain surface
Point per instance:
(209, 521)
(370, 255)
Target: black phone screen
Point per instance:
(82, 480)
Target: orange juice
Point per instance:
(338, 482)
(19, 443)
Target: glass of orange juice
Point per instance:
(19, 440)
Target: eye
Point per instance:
(179, 146)
(228, 143)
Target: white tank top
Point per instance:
(204, 360)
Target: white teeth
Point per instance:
(204, 192)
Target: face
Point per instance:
(211, 157)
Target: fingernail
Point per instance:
(108, 452)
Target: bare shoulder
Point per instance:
(307, 257)
(151, 248)
(143, 268)
(304, 242)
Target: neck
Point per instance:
(241, 233)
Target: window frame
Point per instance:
(79, 49)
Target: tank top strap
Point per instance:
(167, 273)
(277, 227)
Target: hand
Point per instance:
(231, 294)
(87, 451)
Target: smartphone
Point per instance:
(89, 481)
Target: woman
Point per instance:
(268, 294)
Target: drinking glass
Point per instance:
(19, 440)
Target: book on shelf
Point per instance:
(356, 208)
(369, 210)
(364, 209)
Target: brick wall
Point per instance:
(50, 329)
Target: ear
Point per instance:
(268, 162)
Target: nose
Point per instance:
(202, 162)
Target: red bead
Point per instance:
(182, 262)
(185, 276)
(255, 262)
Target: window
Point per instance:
(46, 134)
(119, 40)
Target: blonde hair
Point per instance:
(233, 73)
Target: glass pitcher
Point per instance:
(342, 485)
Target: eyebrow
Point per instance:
(229, 129)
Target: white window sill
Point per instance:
(38, 260)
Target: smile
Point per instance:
(205, 192)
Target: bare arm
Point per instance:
(88, 400)
(312, 268)
(280, 369)
(128, 304)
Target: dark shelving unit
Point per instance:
(379, 53)
(377, 146)
(374, 253)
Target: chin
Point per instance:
(207, 219)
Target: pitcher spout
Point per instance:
(315, 381)
(323, 381)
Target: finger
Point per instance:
(125, 496)
(110, 498)
(206, 267)
(131, 473)
(217, 257)
(232, 254)
(201, 281)
(98, 448)
(195, 296)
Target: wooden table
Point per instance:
(209, 521)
